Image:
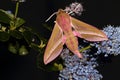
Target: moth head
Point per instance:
(61, 11)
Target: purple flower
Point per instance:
(112, 45)
(79, 69)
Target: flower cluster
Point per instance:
(79, 69)
(74, 8)
(112, 45)
(85, 68)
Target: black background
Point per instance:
(97, 12)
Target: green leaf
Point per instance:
(4, 36)
(32, 37)
(35, 47)
(28, 36)
(58, 66)
(5, 17)
(16, 34)
(9, 18)
(19, 22)
(48, 27)
(12, 48)
(23, 51)
(16, 23)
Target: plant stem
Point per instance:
(16, 10)
(85, 48)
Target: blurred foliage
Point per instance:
(12, 30)
(21, 38)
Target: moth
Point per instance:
(65, 31)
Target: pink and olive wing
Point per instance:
(87, 31)
(54, 46)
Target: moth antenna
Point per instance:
(50, 16)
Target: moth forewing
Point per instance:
(87, 31)
(54, 46)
